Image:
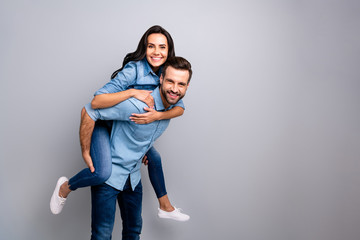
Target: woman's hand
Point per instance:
(144, 118)
(144, 96)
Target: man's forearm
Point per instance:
(86, 130)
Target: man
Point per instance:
(129, 143)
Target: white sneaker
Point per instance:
(175, 215)
(56, 202)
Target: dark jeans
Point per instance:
(103, 199)
(155, 171)
(101, 157)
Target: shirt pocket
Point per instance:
(148, 80)
(145, 87)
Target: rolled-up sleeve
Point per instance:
(121, 111)
(94, 115)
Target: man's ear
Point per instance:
(161, 79)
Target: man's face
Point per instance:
(173, 85)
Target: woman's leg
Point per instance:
(157, 179)
(101, 157)
(156, 175)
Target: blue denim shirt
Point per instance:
(138, 75)
(129, 141)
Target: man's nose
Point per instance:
(174, 88)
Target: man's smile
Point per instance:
(173, 95)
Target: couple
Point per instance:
(114, 150)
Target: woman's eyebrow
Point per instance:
(161, 44)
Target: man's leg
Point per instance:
(103, 198)
(130, 203)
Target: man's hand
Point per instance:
(144, 96)
(88, 161)
(86, 130)
(145, 161)
(144, 118)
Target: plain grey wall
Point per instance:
(268, 148)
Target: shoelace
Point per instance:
(178, 209)
(62, 200)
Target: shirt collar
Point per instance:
(147, 68)
(158, 100)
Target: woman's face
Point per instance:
(156, 50)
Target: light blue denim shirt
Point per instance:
(129, 141)
(138, 75)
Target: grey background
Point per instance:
(268, 148)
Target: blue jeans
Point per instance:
(101, 157)
(155, 171)
(103, 198)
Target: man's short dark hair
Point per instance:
(178, 63)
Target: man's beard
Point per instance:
(169, 101)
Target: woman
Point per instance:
(136, 78)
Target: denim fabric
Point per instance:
(156, 174)
(129, 141)
(101, 157)
(138, 75)
(103, 199)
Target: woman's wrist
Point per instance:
(131, 92)
(160, 115)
